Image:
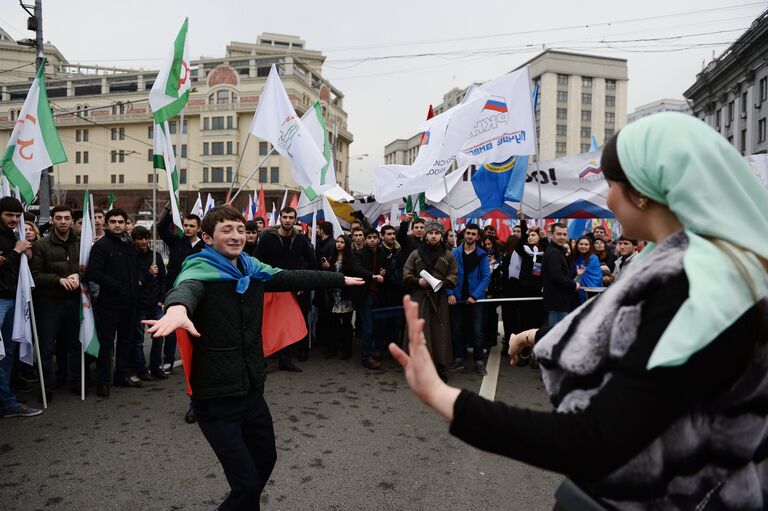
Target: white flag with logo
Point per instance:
(34, 144)
(165, 159)
(506, 125)
(170, 92)
(276, 121)
(88, 337)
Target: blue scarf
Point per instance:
(210, 266)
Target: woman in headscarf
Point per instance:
(433, 257)
(586, 259)
(660, 383)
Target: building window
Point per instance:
(183, 176)
(121, 178)
(610, 85)
(608, 133)
(217, 148)
(562, 113)
(263, 148)
(718, 118)
(85, 179)
(77, 157)
(610, 101)
(183, 150)
(206, 124)
(150, 154)
(217, 123)
(113, 179)
(121, 156)
(585, 148)
(205, 148)
(586, 81)
(85, 156)
(763, 89)
(78, 135)
(274, 174)
(562, 79)
(744, 104)
(229, 174)
(743, 141)
(150, 178)
(85, 135)
(586, 115)
(77, 180)
(229, 147)
(150, 132)
(113, 156)
(185, 127)
(586, 132)
(586, 98)
(560, 147)
(205, 174)
(222, 97)
(262, 174)
(562, 96)
(121, 133)
(172, 127)
(217, 174)
(761, 130)
(113, 134)
(730, 112)
(610, 117)
(230, 122)
(562, 129)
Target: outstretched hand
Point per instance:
(353, 281)
(175, 317)
(420, 372)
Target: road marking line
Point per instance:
(488, 387)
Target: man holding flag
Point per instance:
(11, 249)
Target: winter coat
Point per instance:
(558, 286)
(54, 259)
(478, 279)
(9, 270)
(151, 287)
(179, 248)
(112, 265)
(363, 266)
(228, 358)
(293, 252)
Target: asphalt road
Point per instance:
(348, 439)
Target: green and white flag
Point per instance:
(87, 324)
(34, 144)
(315, 123)
(164, 159)
(170, 92)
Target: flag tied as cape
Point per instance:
(282, 323)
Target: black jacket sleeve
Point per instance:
(188, 293)
(359, 269)
(559, 271)
(304, 280)
(96, 271)
(164, 230)
(632, 409)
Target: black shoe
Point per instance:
(371, 363)
(102, 390)
(189, 417)
(131, 381)
(158, 374)
(147, 377)
(289, 366)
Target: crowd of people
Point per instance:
(448, 273)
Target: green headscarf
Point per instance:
(679, 161)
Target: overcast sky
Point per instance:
(392, 59)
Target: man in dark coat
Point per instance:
(112, 265)
(370, 263)
(179, 248)
(283, 246)
(55, 269)
(227, 374)
(11, 249)
(151, 272)
(558, 286)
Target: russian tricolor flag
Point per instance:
(497, 104)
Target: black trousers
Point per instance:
(239, 430)
(58, 326)
(111, 322)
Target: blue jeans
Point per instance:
(58, 323)
(7, 399)
(370, 329)
(461, 313)
(555, 317)
(156, 352)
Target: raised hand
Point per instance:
(175, 317)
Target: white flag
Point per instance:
(276, 121)
(315, 123)
(197, 209)
(209, 204)
(506, 126)
(88, 337)
(165, 159)
(22, 320)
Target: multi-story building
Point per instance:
(579, 96)
(105, 123)
(731, 92)
(661, 105)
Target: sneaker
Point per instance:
(457, 365)
(167, 368)
(158, 374)
(480, 366)
(371, 363)
(20, 410)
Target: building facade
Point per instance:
(661, 105)
(579, 96)
(105, 123)
(731, 92)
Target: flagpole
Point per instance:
(82, 364)
(232, 199)
(239, 161)
(37, 352)
(154, 208)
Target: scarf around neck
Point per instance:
(210, 266)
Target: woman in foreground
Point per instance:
(660, 384)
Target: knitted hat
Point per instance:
(434, 225)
